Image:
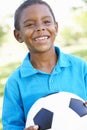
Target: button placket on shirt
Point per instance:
(52, 79)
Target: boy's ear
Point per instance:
(56, 27)
(17, 35)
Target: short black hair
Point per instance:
(25, 4)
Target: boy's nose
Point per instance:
(40, 27)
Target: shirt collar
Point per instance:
(64, 60)
(27, 69)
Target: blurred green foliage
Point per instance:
(4, 29)
(77, 29)
(69, 35)
(5, 71)
(81, 21)
(0, 125)
(82, 54)
(85, 1)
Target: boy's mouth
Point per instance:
(41, 38)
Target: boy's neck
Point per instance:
(44, 61)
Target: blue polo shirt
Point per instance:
(27, 84)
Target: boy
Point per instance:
(45, 69)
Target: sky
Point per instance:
(7, 6)
(61, 8)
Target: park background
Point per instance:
(72, 36)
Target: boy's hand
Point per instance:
(36, 127)
(85, 103)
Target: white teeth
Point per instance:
(41, 38)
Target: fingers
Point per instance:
(36, 127)
(85, 103)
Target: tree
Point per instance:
(4, 28)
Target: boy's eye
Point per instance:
(30, 25)
(47, 22)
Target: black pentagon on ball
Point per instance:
(78, 106)
(43, 119)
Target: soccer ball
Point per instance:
(60, 111)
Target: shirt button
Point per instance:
(51, 81)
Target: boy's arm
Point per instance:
(12, 112)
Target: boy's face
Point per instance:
(37, 28)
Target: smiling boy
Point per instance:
(45, 69)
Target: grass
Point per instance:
(0, 125)
(6, 70)
(82, 53)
